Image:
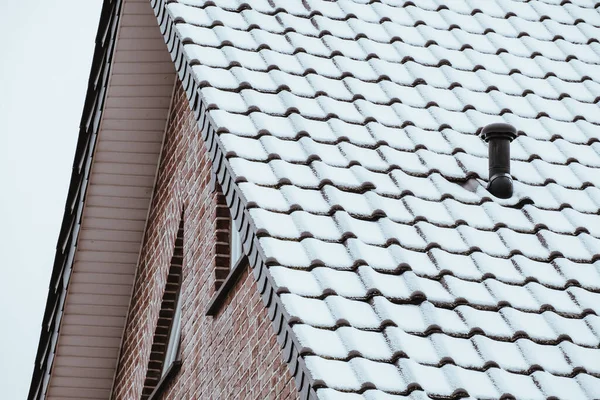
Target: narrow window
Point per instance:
(229, 257)
(235, 244)
(172, 353)
(164, 356)
(229, 242)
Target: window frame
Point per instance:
(163, 364)
(215, 304)
(172, 350)
(235, 244)
(169, 373)
(236, 259)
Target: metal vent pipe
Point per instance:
(499, 135)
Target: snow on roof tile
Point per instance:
(352, 127)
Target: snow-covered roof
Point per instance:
(351, 131)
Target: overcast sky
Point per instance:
(46, 50)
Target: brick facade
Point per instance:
(234, 355)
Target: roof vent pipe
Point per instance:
(499, 136)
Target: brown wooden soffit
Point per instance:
(65, 248)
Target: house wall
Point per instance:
(234, 355)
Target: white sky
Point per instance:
(46, 50)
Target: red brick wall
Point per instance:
(234, 355)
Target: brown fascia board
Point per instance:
(67, 239)
(237, 205)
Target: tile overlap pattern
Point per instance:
(352, 131)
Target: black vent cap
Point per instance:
(499, 130)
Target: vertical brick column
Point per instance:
(223, 237)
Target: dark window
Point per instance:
(164, 355)
(229, 243)
(230, 260)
